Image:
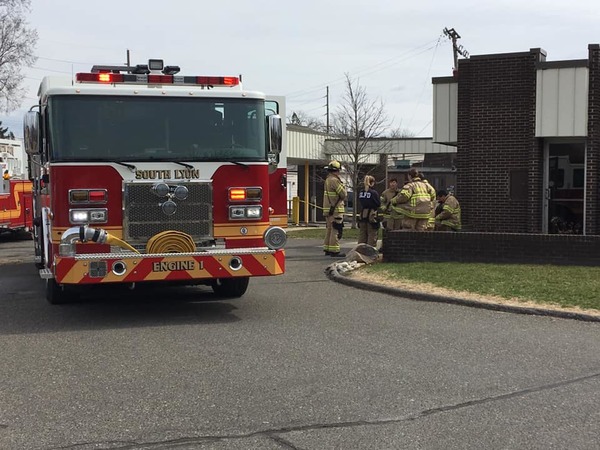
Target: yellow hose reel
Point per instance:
(171, 242)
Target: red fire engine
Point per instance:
(15, 191)
(143, 175)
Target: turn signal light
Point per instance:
(248, 193)
(97, 196)
(78, 196)
(87, 196)
(254, 193)
(237, 194)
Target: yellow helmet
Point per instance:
(334, 165)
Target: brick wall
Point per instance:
(496, 136)
(593, 145)
(561, 249)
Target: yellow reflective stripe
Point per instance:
(451, 210)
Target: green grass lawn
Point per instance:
(560, 285)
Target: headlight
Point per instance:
(245, 212)
(79, 216)
(237, 212)
(254, 212)
(85, 216)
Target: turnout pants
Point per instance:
(331, 243)
(367, 233)
(408, 223)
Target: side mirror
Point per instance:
(275, 141)
(275, 134)
(31, 133)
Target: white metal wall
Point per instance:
(313, 146)
(305, 145)
(445, 112)
(562, 102)
(396, 146)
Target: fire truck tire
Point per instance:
(56, 295)
(230, 287)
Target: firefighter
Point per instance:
(368, 224)
(6, 175)
(448, 217)
(334, 195)
(392, 219)
(431, 220)
(415, 202)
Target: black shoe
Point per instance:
(337, 255)
(327, 253)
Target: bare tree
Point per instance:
(401, 133)
(305, 120)
(358, 122)
(17, 43)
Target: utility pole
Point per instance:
(327, 104)
(453, 35)
(128, 60)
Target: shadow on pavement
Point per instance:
(24, 310)
(14, 236)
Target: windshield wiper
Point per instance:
(238, 163)
(129, 166)
(186, 165)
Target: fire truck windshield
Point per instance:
(128, 128)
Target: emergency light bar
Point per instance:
(111, 78)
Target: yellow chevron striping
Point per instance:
(81, 268)
(19, 187)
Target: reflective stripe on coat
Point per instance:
(334, 194)
(415, 200)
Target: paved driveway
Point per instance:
(300, 363)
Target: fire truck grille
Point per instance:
(145, 214)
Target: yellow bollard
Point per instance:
(296, 210)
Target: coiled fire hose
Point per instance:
(171, 242)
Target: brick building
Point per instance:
(527, 133)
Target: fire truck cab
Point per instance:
(142, 175)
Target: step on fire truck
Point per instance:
(15, 189)
(143, 175)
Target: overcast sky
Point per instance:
(297, 48)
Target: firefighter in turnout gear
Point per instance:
(391, 218)
(368, 224)
(415, 202)
(334, 196)
(448, 219)
(431, 220)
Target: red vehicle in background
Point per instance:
(143, 175)
(16, 212)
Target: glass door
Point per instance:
(564, 188)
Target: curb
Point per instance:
(333, 274)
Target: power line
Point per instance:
(370, 69)
(425, 84)
(49, 70)
(65, 61)
(423, 129)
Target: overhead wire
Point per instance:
(64, 61)
(369, 69)
(425, 84)
(423, 129)
(49, 70)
